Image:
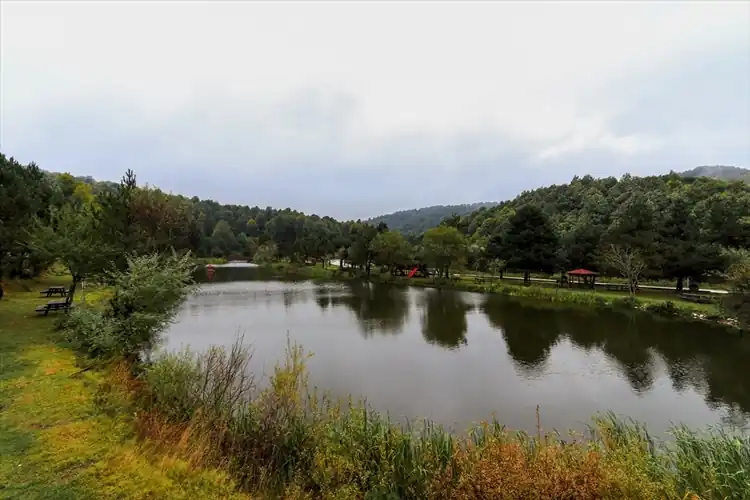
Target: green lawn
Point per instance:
(68, 434)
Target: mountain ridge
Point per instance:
(418, 220)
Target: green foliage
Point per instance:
(391, 249)
(527, 243)
(145, 298)
(679, 225)
(25, 194)
(737, 304)
(444, 246)
(266, 253)
(72, 237)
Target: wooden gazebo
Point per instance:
(583, 278)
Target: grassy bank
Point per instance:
(667, 306)
(70, 434)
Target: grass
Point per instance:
(196, 426)
(286, 442)
(69, 434)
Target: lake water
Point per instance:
(457, 358)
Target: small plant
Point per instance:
(667, 308)
(629, 302)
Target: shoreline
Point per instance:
(86, 433)
(663, 308)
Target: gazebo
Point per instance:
(582, 277)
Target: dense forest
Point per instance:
(677, 226)
(419, 220)
(669, 226)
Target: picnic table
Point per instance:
(55, 290)
(45, 309)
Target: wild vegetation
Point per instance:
(121, 419)
(199, 424)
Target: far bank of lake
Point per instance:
(659, 304)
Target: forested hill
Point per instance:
(678, 224)
(418, 220)
(722, 172)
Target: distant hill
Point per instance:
(419, 220)
(721, 172)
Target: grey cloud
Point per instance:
(299, 151)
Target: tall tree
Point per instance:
(444, 246)
(391, 249)
(223, 239)
(628, 262)
(528, 243)
(72, 236)
(25, 193)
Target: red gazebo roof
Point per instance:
(582, 272)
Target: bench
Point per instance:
(55, 290)
(692, 297)
(44, 309)
(617, 287)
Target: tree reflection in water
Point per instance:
(379, 308)
(698, 356)
(444, 318)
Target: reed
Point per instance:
(287, 441)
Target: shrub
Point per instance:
(666, 308)
(629, 302)
(144, 300)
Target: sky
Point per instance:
(362, 108)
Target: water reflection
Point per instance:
(379, 308)
(695, 355)
(577, 362)
(529, 333)
(444, 318)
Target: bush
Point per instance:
(666, 308)
(629, 302)
(144, 300)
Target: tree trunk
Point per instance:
(680, 284)
(72, 289)
(631, 285)
(526, 278)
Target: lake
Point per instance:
(458, 357)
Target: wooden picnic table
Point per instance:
(55, 290)
(45, 309)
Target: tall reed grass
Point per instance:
(286, 441)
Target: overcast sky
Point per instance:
(357, 109)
